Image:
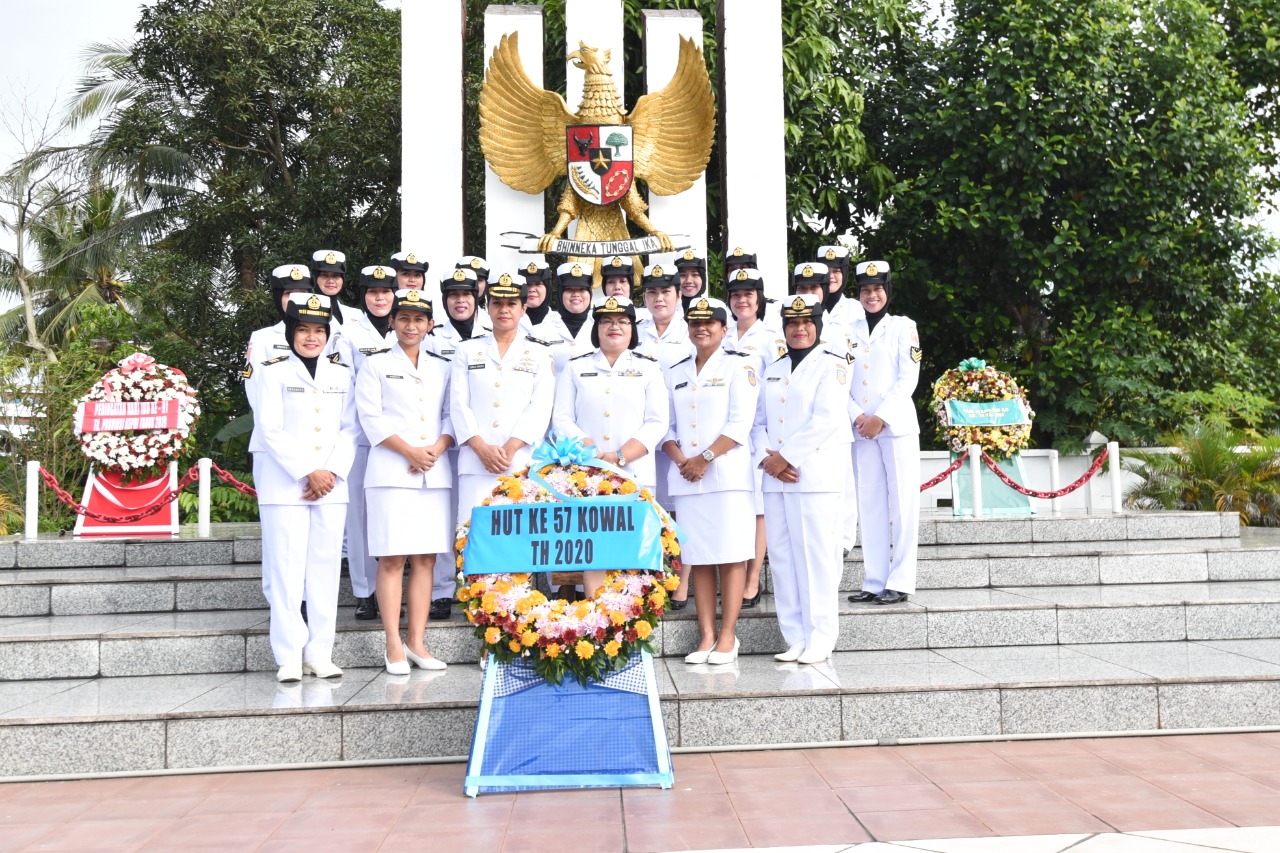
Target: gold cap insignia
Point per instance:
(412, 296)
(379, 273)
(296, 273)
(577, 270)
(459, 275)
(411, 258)
(475, 263)
(742, 275)
(314, 303)
(689, 255)
(798, 304)
(872, 269)
(331, 258)
(533, 267)
(831, 254)
(737, 252)
(657, 271)
(616, 262)
(703, 305)
(611, 304)
(807, 271)
(504, 279)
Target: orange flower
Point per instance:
(464, 594)
(490, 602)
(628, 487)
(582, 609)
(524, 605)
(617, 617)
(514, 645)
(643, 629)
(492, 634)
(671, 582)
(502, 586)
(529, 638)
(606, 487)
(584, 649)
(553, 650)
(658, 599)
(612, 648)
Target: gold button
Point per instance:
(317, 447)
(695, 444)
(496, 404)
(607, 437)
(422, 417)
(315, 390)
(693, 405)
(693, 424)
(317, 410)
(496, 423)
(607, 413)
(422, 399)
(780, 420)
(865, 365)
(864, 399)
(865, 382)
(422, 438)
(497, 385)
(782, 399)
(317, 429)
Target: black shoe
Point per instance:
(441, 608)
(891, 596)
(748, 603)
(367, 608)
(679, 603)
(304, 611)
(863, 597)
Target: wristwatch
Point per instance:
(622, 460)
(708, 455)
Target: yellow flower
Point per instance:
(478, 587)
(464, 594)
(671, 582)
(582, 609)
(612, 648)
(617, 617)
(658, 599)
(490, 602)
(458, 561)
(643, 629)
(502, 586)
(529, 638)
(492, 634)
(524, 605)
(578, 479)
(644, 493)
(628, 487)
(471, 616)
(553, 650)
(584, 649)
(521, 578)
(514, 645)
(606, 487)
(538, 598)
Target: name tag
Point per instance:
(585, 375)
(447, 352)
(773, 379)
(681, 385)
(295, 390)
(395, 376)
(475, 366)
(279, 346)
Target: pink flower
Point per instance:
(137, 361)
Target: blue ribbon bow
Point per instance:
(973, 364)
(566, 450)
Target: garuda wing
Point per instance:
(673, 129)
(522, 127)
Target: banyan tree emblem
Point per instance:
(530, 138)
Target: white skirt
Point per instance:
(718, 527)
(404, 522)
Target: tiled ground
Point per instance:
(829, 797)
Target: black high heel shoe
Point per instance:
(748, 603)
(679, 603)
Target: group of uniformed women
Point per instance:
(741, 428)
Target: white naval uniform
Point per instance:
(804, 416)
(408, 512)
(497, 398)
(885, 374)
(717, 511)
(303, 424)
(765, 343)
(669, 348)
(847, 312)
(613, 404)
(564, 345)
(362, 341)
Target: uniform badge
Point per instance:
(411, 258)
(459, 275)
(807, 272)
(657, 271)
(247, 372)
(505, 280)
(742, 275)
(314, 303)
(841, 375)
(916, 354)
(831, 254)
(331, 258)
(296, 273)
(475, 263)
(379, 273)
(532, 268)
(872, 270)
(576, 270)
(737, 251)
(849, 357)
(689, 255)
(616, 262)
(336, 358)
(751, 376)
(412, 296)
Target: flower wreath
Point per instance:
(141, 452)
(586, 639)
(976, 382)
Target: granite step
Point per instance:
(86, 726)
(146, 644)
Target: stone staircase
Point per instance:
(137, 655)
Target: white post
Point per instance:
(599, 24)
(1113, 465)
(431, 105)
(975, 471)
(205, 467)
(507, 209)
(1055, 478)
(685, 213)
(754, 198)
(33, 499)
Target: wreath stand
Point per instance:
(998, 500)
(533, 735)
(107, 494)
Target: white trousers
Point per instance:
(301, 557)
(849, 523)
(889, 505)
(803, 533)
(362, 568)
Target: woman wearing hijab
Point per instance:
(567, 328)
(305, 420)
(691, 277)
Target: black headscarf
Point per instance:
(290, 329)
(873, 319)
(538, 314)
(686, 300)
(380, 324)
(798, 355)
(573, 322)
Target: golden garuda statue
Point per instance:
(530, 138)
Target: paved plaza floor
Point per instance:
(1179, 794)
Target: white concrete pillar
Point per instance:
(754, 159)
(599, 24)
(507, 209)
(431, 108)
(685, 213)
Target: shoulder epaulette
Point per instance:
(437, 355)
(683, 360)
(336, 358)
(780, 358)
(645, 357)
(537, 340)
(835, 355)
(584, 355)
(278, 359)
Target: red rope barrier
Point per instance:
(63, 495)
(1057, 493)
(243, 488)
(946, 472)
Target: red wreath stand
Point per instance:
(108, 495)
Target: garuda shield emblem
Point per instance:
(600, 161)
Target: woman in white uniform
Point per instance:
(568, 327)
(691, 277)
(537, 278)
(403, 398)
(367, 332)
(305, 417)
(614, 398)
(712, 489)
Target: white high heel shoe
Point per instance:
(714, 657)
(400, 667)
(423, 663)
(698, 656)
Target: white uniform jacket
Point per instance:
(612, 405)
(803, 416)
(564, 346)
(721, 400)
(882, 386)
(498, 398)
(847, 312)
(303, 424)
(672, 346)
(444, 337)
(396, 398)
(762, 339)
